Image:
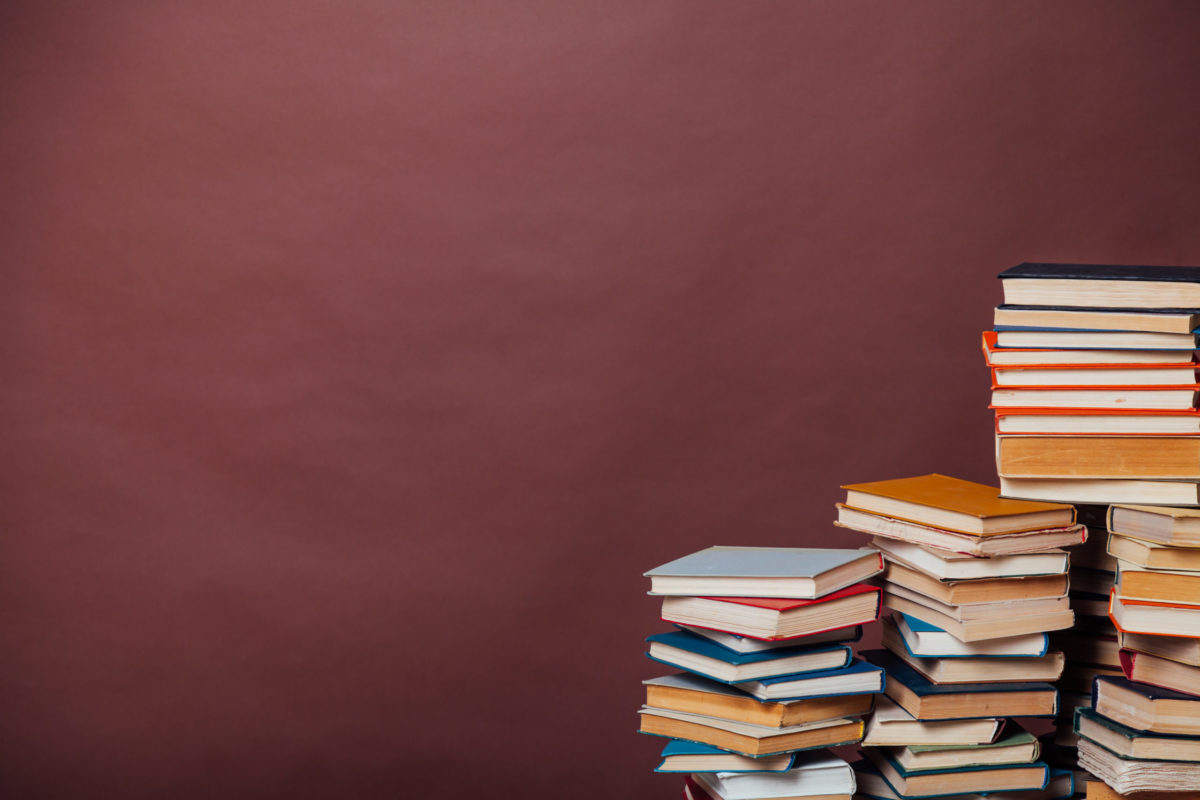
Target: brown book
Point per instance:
(749, 740)
(955, 505)
(1000, 544)
(1145, 708)
(1145, 668)
(1154, 457)
(1151, 555)
(1099, 790)
(982, 590)
(1163, 587)
(1179, 527)
(695, 695)
(1014, 618)
(1185, 650)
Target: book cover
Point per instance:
(1101, 272)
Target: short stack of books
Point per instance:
(766, 679)
(1141, 730)
(1094, 384)
(975, 582)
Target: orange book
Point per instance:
(1151, 457)
(1154, 617)
(1097, 422)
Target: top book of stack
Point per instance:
(1096, 286)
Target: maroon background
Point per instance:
(359, 357)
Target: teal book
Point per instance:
(683, 756)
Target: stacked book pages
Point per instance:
(763, 678)
(1094, 384)
(975, 582)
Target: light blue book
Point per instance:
(924, 640)
(683, 756)
(857, 678)
(703, 657)
(802, 573)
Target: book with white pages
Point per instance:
(1002, 619)
(746, 738)
(820, 774)
(925, 640)
(744, 644)
(968, 544)
(945, 565)
(892, 726)
(976, 670)
(964, 612)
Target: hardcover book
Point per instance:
(1016, 746)
(1102, 286)
(1178, 527)
(948, 566)
(936, 783)
(775, 618)
(1146, 708)
(791, 572)
(1097, 422)
(1160, 320)
(1161, 672)
(695, 695)
(744, 644)
(747, 739)
(1002, 544)
(814, 775)
(976, 670)
(1129, 743)
(1104, 490)
(925, 640)
(857, 678)
(697, 654)
(1153, 457)
(681, 756)
(891, 725)
(1127, 775)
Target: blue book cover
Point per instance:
(903, 773)
(726, 666)
(921, 686)
(856, 667)
(681, 747)
(921, 626)
(706, 647)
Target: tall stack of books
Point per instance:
(1094, 384)
(766, 680)
(975, 582)
(1141, 730)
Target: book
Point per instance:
(924, 640)
(972, 623)
(1185, 650)
(948, 566)
(1129, 743)
(1162, 457)
(776, 618)
(1178, 527)
(1099, 790)
(790, 572)
(955, 505)
(695, 695)
(1093, 490)
(698, 655)
(1146, 708)
(1097, 422)
(1135, 775)
(1054, 339)
(857, 678)
(1153, 556)
(1123, 286)
(683, 756)
(1180, 588)
(744, 644)
(1006, 357)
(1161, 672)
(1163, 619)
(747, 739)
(967, 544)
(1058, 375)
(891, 725)
(1016, 746)
(934, 783)
(1160, 320)
(976, 590)
(816, 775)
(1061, 785)
(1152, 398)
(926, 700)
(977, 670)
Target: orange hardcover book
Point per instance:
(1097, 422)
(1153, 617)
(953, 504)
(1151, 457)
(1037, 357)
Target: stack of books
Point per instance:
(1094, 384)
(766, 679)
(975, 583)
(1141, 729)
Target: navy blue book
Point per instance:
(1146, 708)
(925, 700)
(1129, 743)
(941, 782)
(1101, 286)
(683, 756)
(702, 656)
(871, 783)
(858, 677)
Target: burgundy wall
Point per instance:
(359, 357)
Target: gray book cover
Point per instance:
(757, 562)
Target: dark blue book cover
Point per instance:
(1102, 272)
(706, 647)
(921, 686)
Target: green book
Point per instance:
(1015, 746)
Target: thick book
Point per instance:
(1157, 586)
(776, 618)
(1099, 790)
(945, 565)
(1129, 743)
(976, 590)
(1124, 286)
(955, 505)
(703, 657)
(1015, 746)
(1097, 422)
(1150, 457)
(1185, 650)
(1126, 775)
(695, 695)
(1146, 708)
(1151, 398)
(1156, 617)
(1016, 357)
(892, 726)
(747, 739)
(1063, 375)
(684, 756)
(791, 572)
(1057, 339)
(1161, 672)
(744, 644)
(936, 783)
(973, 623)
(1178, 527)
(926, 700)
(815, 775)
(1061, 785)
(1104, 490)
(858, 677)
(1153, 556)
(976, 670)
(1159, 320)
(1003, 544)
(924, 640)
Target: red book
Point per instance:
(774, 618)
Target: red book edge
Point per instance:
(1112, 596)
(989, 346)
(878, 610)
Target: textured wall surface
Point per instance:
(358, 357)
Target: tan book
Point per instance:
(975, 670)
(1005, 619)
(1178, 527)
(749, 740)
(695, 695)
(891, 725)
(1001, 544)
(1183, 649)
(1150, 457)
(1128, 775)
(955, 505)
(1099, 790)
(1102, 491)
(1151, 555)
(982, 590)
(1146, 668)
(1163, 587)
(1146, 708)
(1163, 619)
(983, 779)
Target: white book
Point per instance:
(815, 774)
(1102, 491)
(929, 641)
(744, 644)
(892, 726)
(948, 566)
